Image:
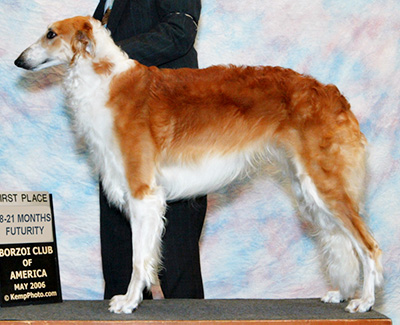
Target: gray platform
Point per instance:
(191, 310)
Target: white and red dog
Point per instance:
(159, 134)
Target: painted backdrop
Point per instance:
(253, 245)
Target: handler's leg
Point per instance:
(180, 276)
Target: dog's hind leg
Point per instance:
(365, 246)
(147, 223)
(343, 238)
(341, 263)
(329, 183)
(336, 249)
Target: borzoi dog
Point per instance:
(160, 134)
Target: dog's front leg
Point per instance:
(147, 222)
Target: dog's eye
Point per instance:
(51, 34)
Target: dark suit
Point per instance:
(155, 32)
(160, 33)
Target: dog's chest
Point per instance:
(87, 96)
(95, 123)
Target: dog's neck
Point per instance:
(107, 49)
(87, 82)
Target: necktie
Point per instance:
(104, 20)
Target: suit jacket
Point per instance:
(155, 32)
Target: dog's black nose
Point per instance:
(20, 63)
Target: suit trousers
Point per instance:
(180, 276)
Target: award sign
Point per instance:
(29, 272)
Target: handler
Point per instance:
(160, 33)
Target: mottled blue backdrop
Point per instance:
(253, 245)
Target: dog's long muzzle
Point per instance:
(35, 58)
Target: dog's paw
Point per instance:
(332, 297)
(121, 304)
(360, 305)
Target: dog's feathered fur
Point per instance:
(164, 134)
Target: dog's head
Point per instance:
(61, 44)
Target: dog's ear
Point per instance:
(83, 42)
